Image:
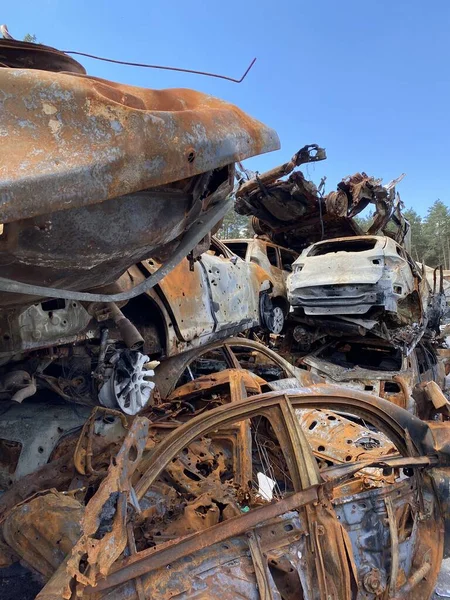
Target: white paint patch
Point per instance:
(54, 125)
(266, 485)
(49, 109)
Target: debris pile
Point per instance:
(353, 286)
(145, 452)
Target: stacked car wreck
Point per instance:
(365, 311)
(149, 448)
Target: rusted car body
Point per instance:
(31, 432)
(231, 353)
(276, 260)
(199, 514)
(93, 182)
(294, 213)
(383, 370)
(217, 295)
(213, 297)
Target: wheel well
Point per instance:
(147, 316)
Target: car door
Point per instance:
(185, 294)
(267, 256)
(234, 288)
(246, 516)
(387, 504)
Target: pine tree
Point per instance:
(235, 226)
(418, 241)
(436, 230)
(30, 37)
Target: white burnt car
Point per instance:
(369, 282)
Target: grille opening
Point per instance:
(54, 304)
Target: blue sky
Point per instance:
(369, 80)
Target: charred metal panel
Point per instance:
(74, 141)
(294, 213)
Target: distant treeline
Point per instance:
(431, 235)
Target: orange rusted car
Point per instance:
(243, 497)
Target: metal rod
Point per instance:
(147, 66)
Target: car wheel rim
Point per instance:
(277, 320)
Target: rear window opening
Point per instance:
(238, 248)
(343, 246)
(352, 354)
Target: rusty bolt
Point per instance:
(372, 582)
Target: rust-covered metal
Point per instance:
(76, 140)
(115, 173)
(179, 510)
(294, 213)
(27, 55)
(103, 526)
(210, 485)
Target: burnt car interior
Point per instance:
(350, 354)
(219, 359)
(239, 248)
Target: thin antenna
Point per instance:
(147, 66)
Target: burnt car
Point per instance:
(379, 368)
(109, 352)
(215, 296)
(33, 432)
(93, 184)
(238, 498)
(367, 283)
(92, 181)
(292, 211)
(274, 259)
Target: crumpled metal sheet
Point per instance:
(28, 55)
(294, 213)
(44, 529)
(104, 534)
(73, 141)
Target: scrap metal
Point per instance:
(95, 154)
(204, 480)
(293, 213)
(190, 488)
